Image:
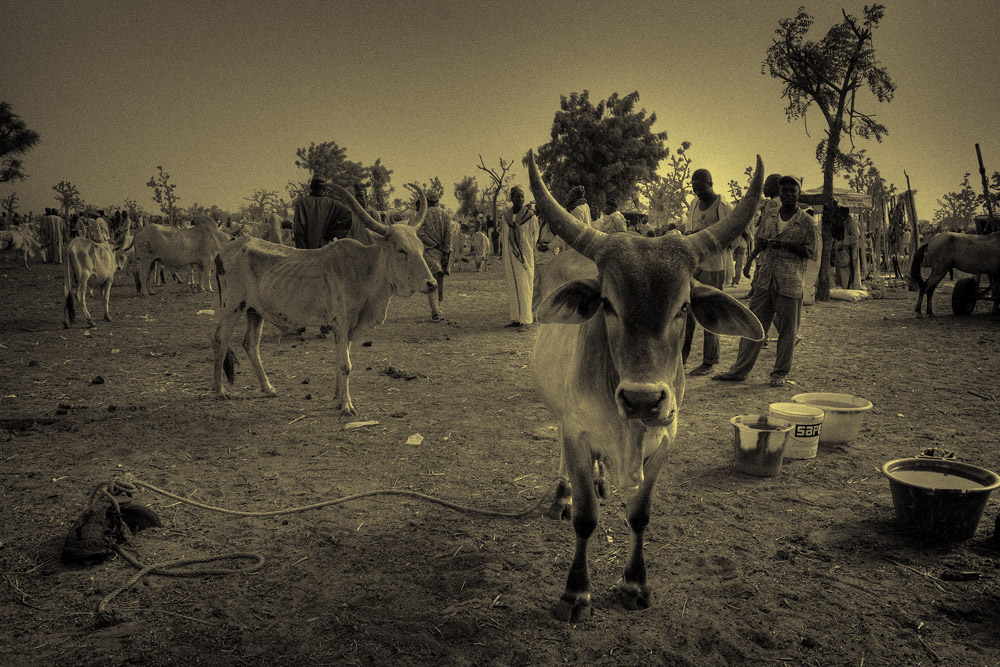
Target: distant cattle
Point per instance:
(175, 249)
(476, 249)
(607, 362)
(86, 260)
(22, 242)
(344, 285)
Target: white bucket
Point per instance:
(803, 441)
(844, 414)
(759, 444)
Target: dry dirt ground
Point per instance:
(806, 568)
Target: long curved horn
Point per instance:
(714, 239)
(363, 215)
(423, 205)
(584, 239)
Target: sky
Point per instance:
(222, 93)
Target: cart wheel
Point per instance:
(963, 297)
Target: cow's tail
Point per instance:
(219, 271)
(918, 259)
(68, 291)
(229, 366)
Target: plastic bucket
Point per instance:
(807, 421)
(843, 415)
(759, 444)
(940, 498)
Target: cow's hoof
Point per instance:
(270, 392)
(573, 608)
(65, 326)
(107, 318)
(348, 411)
(560, 510)
(635, 597)
(222, 395)
(90, 323)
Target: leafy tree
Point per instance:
(260, 201)
(9, 204)
(329, 161)
(828, 75)
(606, 148)
(956, 210)
(864, 177)
(15, 140)
(499, 182)
(467, 194)
(68, 197)
(163, 193)
(380, 177)
(666, 193)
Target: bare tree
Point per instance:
(498, 181)
(163, 193)
(260, 200)
(68, 197)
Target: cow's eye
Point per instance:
(606, 305)
(683, 310)
(404, 252)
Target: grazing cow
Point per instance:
(607, 361)
(476, 248)
(972, 253)
(86, 259)
(23, 243)
(176, 248)
(345, 285)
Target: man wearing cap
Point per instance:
(320, 219)
(518, 235)
(436, 236)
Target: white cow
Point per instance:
(344, 285)
(86, 260)
(177, 248)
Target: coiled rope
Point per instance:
(106, 616)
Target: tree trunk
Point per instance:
(826, 226)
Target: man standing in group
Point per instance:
(436, 236)
(612, 220)
(99, 232)
(319, 219)
(787, 240)
(518, 235)
(707, 209)
(51, 236)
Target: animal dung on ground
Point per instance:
(97, 380)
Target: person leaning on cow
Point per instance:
(707, 209)
(435, 234)
(787, 240)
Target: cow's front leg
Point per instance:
(635, 593)
(251, 343)
(574, 605)
(342, 394)
(220, 348)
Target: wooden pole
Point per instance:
(912, 206)
(986, 184)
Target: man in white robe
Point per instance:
(519, 234)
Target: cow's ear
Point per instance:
(574, 302)
(722, 314)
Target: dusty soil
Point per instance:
(806, 568)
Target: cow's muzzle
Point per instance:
(647, 403)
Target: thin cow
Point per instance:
(86, 260)
(607, 362)
(345, 285)
(176, 248)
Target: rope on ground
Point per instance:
(132, 480)
(106, 616)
